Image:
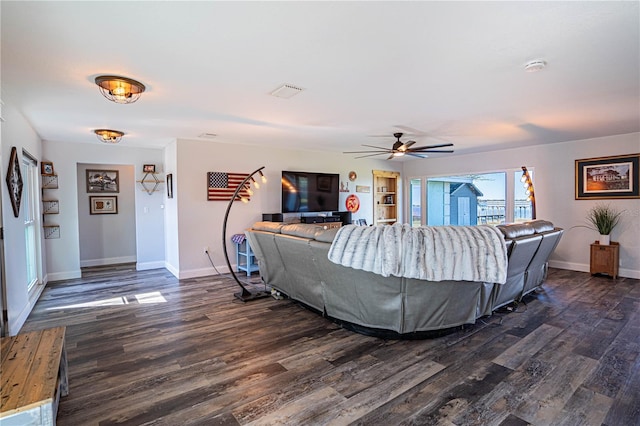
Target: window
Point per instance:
(415, 201)
(31, 202)
(469, 199)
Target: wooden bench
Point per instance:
(34, 376)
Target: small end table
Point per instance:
(245, 258)
(605, 259)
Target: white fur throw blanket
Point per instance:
(433, 253)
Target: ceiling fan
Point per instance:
(402, 148)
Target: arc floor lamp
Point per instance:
(528, 187)
(245, 295)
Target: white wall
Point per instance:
(171, 253)
(63, 254)
(107, 239)
(200, 221)
(16, 131)
(554, 182)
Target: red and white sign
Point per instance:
(353, 203)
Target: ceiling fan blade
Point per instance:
(377, 147)
(391, 157)
(408, 144)
(381, 151)
(410, 131)
(442, 145)
(444, 151)
(413, 154)
(369, 155)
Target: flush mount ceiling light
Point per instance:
(535, 66)
(120, 90)
(286, 91)
(108, 136)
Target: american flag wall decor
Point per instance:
(222, 185)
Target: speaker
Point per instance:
(332, 219)
(312, 219)
(272, 217)
(345, 217)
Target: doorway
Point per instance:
(106, 215)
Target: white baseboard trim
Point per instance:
(583, 267)
(569, 265)
(629, 273)
(59, 276)
(18, 322)
(171, 269)
(144, 266)
(107, 261)
(202, 272)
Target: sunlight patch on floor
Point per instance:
(143, 298)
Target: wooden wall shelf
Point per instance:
(150, 182)
(385, 197)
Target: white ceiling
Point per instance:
(453, 70)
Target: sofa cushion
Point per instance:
(302, 230)
(274, 227)
(327, 235)
(541, 225)
(515, 230)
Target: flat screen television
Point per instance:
(306, 192)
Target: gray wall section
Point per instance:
(107, 238)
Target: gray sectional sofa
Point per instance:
(294, 260)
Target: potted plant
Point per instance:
(603, 218)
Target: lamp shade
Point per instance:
(121, 90)
(108, 136)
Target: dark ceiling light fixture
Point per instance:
(121, 90)
(108, 136)
(245, 295)
(400, 149)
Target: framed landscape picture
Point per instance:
(607, 177)
(102, 181)
(103, 205)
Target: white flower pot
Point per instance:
(605, 240)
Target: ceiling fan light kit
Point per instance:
(399, 149)
(121, 90)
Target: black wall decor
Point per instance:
(14, 181)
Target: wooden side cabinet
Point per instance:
(605, 259)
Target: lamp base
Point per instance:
(247, 296)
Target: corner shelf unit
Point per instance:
(385, 199)
(150, 182)
(50, 206)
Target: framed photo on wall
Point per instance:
(149, 168)
(103, 205)
(46, 168)
(170, 185)
(102, 181)
(607, 177)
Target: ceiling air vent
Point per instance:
(286, 91)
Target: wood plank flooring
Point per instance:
(147, 349)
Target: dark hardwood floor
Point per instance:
(145, 348)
